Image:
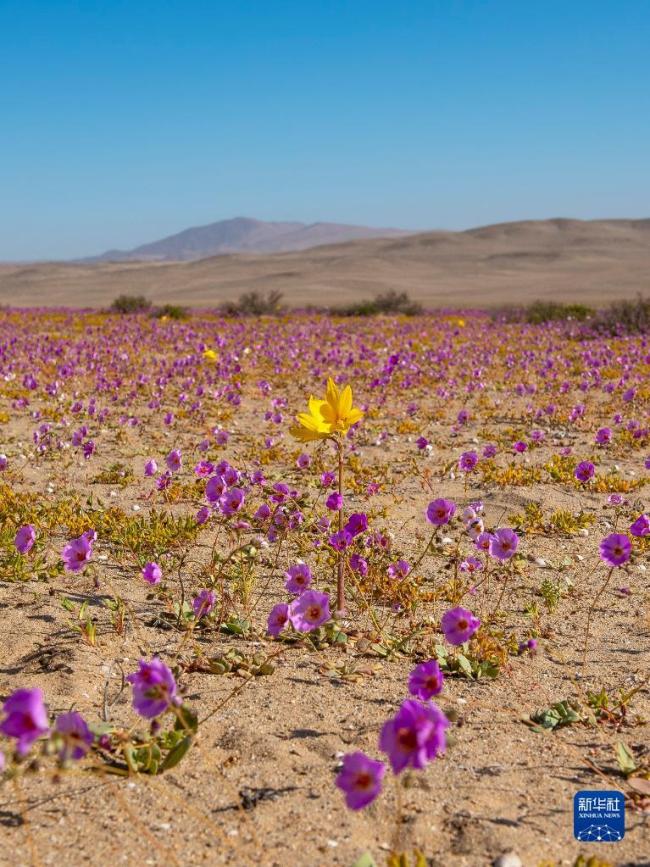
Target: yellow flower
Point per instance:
(326, 417)
(210, 354)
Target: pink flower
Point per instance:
(154, 688)
(25, 538)
(414, 736)
(458, 625)
(440, 512)
(278, 619)
(174, 460)
(467, 462)
(360, 778)
(231, 501)
(25, 718)
(641, 527)
(203, 604)
(309, 611)
(298, 578)
(615, 549)
(426, 680)
(78, 552)
(503, 543)
(75, 736)
(152, 573)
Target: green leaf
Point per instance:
(186, 720)
(174, 756)
(465, 665)
(625, 759)
(366, 860)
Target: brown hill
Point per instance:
(590, 261)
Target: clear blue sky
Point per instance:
(124, 120)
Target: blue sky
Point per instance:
(124, 120)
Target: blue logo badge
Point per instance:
(599, 816)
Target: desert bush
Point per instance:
(542, 311)
(383, 303)
(130, 304)
(171, 311)
(625, 317)
(254, 304)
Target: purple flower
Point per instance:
(278, 619)
(75, 735)
(358, 564)
(25, 538)
(414, 736)
(150, 468)
(360, 778)
(303, 461)
(641, 527)
(334, 502)
(458, 625)
(4, 462)
(88, 449)
(203, 469)
(154, 688)
(615, 549)
(298, 578)
(483, 541)
(174, 460)
(340, 541)
(152, 573)
(603, 436)
(202, 516)
(215, 489)
(327, 479)
(203, 604)
(422, 442)
(520, 447)
(470, 565)
(426, 680)
(503, 543)
(440, 512)
(489, 451)
(309, 611)
(231, 501)
(25, 718)
(584, 471)
(399, 569)
(78, 552)
(356, 524)
(467, 462)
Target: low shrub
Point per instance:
(390, 302)
(130, 304)
(254, 304)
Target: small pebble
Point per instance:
(508, 859)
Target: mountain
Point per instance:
(242, 235)
(593, 261)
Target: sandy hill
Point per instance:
(590, 261)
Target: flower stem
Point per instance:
(340, 583)
(591, 608)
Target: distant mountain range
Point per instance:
(594, 261)
(243, 235)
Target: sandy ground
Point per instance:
(258, 786)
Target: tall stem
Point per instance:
(591, 608)
(340, 584)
